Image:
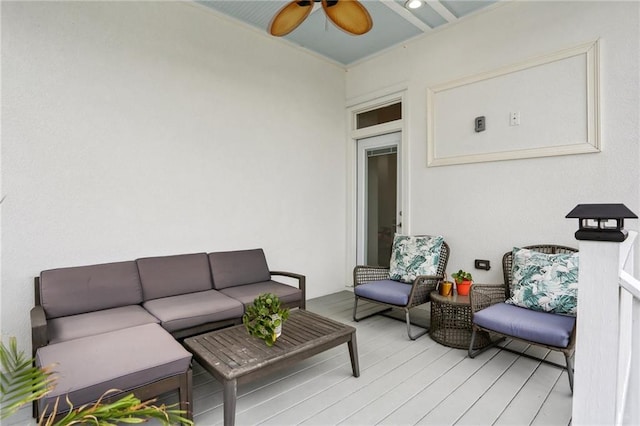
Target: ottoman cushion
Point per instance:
(123, 359)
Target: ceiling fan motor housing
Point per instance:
(308, 2)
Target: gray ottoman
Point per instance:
(145, 360)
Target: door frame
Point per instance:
(363, 146)
(355, 107)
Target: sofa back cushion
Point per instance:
(76, 290)
(166, 276)
(233, 268)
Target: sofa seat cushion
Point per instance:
(190, 310)
(535, 326)
(123, 359)
(248, 292)
(385, 291)
(83, 325)
(233, 268)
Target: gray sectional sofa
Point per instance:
(118, 325)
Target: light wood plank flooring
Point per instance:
(402, 382)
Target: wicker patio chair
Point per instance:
(510, 321)
(398, 294)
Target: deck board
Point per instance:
(524, 406)
(402, 382)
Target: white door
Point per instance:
(379, 216)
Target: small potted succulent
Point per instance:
(463, 282)
(263, 319)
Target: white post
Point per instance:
(629, 374)
(597, 334)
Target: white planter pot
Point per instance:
(278, 330)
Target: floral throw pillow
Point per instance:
(545, 282)
(413, 256)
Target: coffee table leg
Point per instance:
(230, 392)
(353, 353)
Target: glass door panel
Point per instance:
(378, 198)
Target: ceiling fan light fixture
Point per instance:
(348, 15)
(413, 4)
(290, 17)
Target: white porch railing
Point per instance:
(607, 360)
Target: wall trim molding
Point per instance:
(591, 53)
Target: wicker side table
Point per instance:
(451, 322)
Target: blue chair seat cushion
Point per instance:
(535, 326)
(385, 291)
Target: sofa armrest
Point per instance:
(302, 284)
(484, 295)
(365, 273)
(39, 336)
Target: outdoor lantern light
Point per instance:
(601, 222)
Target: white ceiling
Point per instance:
(392, 24)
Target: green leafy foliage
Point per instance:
(21, 383)
(462, 276)
(127, 410)
(263, 317)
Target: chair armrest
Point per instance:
(423, 285)
(302, 283)
(365, 273)
(484, 295)
(39, 336)
(435, 278)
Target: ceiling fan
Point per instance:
(348, 15)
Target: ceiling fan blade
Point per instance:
(289, 17)
(348, 15)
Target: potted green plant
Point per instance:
(263, 319)
(463, 282)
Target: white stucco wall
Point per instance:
(153, 128)
(484, 209)
(134, 129)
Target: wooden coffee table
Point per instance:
(233, 357)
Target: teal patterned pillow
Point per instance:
(413, 256)
(545, 282)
